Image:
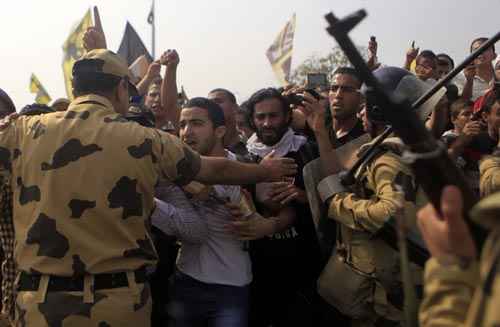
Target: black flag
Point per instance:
(132, 46)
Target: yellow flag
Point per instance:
(73, 50)
(280, 52)
(42, 96)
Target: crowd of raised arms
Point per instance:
(131, 205)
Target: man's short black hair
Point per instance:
(265, 94)
(344, 70)
(94, 83)
(429, 54)
(228, 93)
(215, 112)
(444, 57)
(35, 109)
(458, 106)
(482, 40)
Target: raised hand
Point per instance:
(470, 72)
(170, 58)
(94, 37)
(315, 113)
(411, 54)
(447, 237)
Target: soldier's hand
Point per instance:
(278, 168)
(252, 229)
(447, 237)
(170, 58)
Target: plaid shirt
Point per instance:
(7, 244)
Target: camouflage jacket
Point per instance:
(465, 297)
(83, 184)
(489, 169)
(456, 296)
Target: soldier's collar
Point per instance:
(92, 98)
(391, 142)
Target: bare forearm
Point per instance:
(142, 86)
(228, 172)
(438, 121)
(467, 90)
(169, 96)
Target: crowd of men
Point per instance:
(207, 212)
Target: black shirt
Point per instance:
(292, 256)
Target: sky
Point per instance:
(222, 43)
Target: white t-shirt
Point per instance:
(221, 259)
(479, 85)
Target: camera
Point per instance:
(297, 99)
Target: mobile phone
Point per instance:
(315, 80)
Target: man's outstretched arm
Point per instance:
(228, 172)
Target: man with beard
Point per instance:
(284, 250)
(363, 276)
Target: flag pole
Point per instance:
(153, 27)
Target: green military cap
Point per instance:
(487, 211)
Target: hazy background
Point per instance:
(222, 43)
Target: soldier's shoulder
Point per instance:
(390, 160)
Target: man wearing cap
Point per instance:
(83, 183)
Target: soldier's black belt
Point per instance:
(29, 282)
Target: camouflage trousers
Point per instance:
(124, 306)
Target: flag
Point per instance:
(280, 52)
(132, 46)
(138, 69)
(73, 50)
(42, 96)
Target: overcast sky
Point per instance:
(222, 43)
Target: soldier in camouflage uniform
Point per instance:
(460, 288)
(365, 273)
(83, 183)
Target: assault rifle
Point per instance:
(432, 166)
